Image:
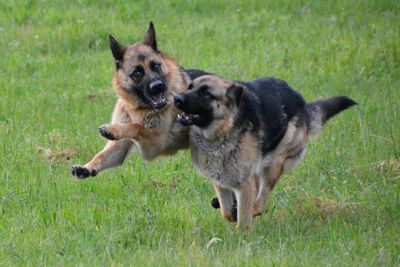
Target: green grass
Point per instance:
(340, 207)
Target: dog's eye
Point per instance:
(190, 87)
(137, 73)
(155, 66)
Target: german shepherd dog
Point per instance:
(145, 81)
(245, 135)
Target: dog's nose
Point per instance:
(156, 86)
(178, 101)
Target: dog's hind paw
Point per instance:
(234, 211)
(215, 203)
(82, 172)
(103, 130)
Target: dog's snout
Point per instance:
(156, 86)
(178, 100)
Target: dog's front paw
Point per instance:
(81, 172)
(107, 132)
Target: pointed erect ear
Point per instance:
(150, 38)
(234, 93)
(117, 50)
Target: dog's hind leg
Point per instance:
(267, 182)
(290, 154)
(226, 201)
(262, 195)
(271, 177)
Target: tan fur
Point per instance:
(226, 199)
(153, 133)
(246, 192)
(223, 117)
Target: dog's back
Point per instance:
(271, 103)
(195, 73)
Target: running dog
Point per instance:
(145, 81)
(245, 135)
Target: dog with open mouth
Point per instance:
(245, 135)
(145, 81)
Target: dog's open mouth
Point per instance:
(159, 101)
(187, 119)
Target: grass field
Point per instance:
(340, 207)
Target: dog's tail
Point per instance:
(322, 110)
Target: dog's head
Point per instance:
(210, 102)
(141, 71)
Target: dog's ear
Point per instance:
(150, 38)
(117, 50)
(234, 93)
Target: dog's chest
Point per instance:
(167, 136)
(224, 166)
(151, 120)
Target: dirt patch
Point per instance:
(170, 185)
(390, 164)
(51, 155)
(324, 207)
(94, 95)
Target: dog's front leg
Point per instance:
(112, 155)
(245, 198)
(122, 131)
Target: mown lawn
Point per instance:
(340, 207)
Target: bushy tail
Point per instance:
(322, 110)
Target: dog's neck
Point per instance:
(215, 137)
(216, 130)
(208, 146)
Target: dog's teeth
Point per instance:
(179, 116)
(159, 99)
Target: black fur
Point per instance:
(82, 172)
(265, 106)
(117, 50)
(234, 210)
(193, 73)
(215, 203)
(268, 104)
(331, 106)
(235, 94)
(150, 38)
(103, 132)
